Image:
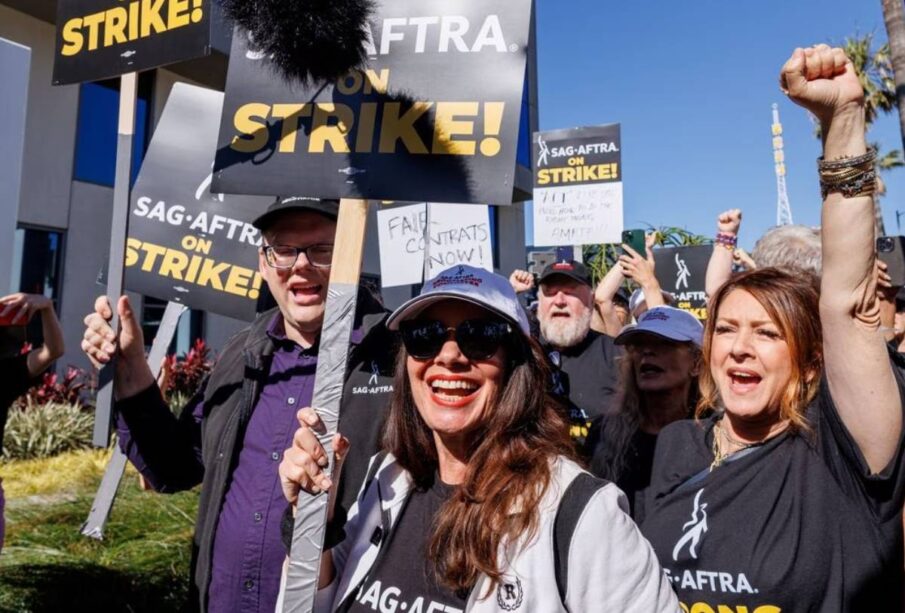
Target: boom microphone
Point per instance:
(308, 41)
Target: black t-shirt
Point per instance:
(403, 578)
(16, 382)
(798, 524)
(589, 373)
(634, 477)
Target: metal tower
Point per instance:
(783, 208)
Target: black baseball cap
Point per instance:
(568, 268)
(328, 208)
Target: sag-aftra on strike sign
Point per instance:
(434, 115)
(99, 39)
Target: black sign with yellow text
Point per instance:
(578, 186)
(187, 244)
(682, 271)
(435, 114)
(99, 39)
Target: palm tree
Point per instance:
(889, 160)
(894, 17)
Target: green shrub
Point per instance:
(45, 430)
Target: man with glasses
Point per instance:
(231, 436)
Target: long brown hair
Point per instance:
(791, 301)
(630, 413)
(509, 467)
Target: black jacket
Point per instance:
(207, 454)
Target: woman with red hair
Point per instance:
(790, 497)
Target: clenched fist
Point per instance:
(822, 80)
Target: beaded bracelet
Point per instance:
(729, 241)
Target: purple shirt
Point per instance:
(248, 553)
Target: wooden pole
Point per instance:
(342, 295)
(106, 493)
(128, 89)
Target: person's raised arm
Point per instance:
(642, 270)
(603, 300)
(858, 370)
(719, 268)
(22, 307)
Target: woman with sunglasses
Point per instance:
(790, 497)
(459, 513)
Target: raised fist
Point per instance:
(521, 281)
(822, 80)
(729, 222)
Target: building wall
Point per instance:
(15, 60)
(50, 126)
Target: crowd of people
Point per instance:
(601, 451)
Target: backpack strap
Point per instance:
(571, 507)
(376, 463)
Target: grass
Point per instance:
(47, 565)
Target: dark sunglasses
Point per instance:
(478, 339)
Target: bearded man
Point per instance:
(584, 361)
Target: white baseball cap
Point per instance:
(471, 284)
(668, 322)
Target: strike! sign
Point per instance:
(435, 114)
(578, 186)
(186, 244)
(682, 272)
(99, 39)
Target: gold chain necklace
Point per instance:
(718, 456)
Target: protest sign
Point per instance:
(99, 39)
(434, 115)
(682, 271)
(578, 186)
(186, 244)
(460, 234)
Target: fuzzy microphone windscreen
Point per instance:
(309, 41)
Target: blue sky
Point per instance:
(692, 84)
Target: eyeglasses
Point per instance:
(478, 339)
(284, 257)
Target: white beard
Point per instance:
(565, 332)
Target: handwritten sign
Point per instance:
(460, 234)
(578, 186)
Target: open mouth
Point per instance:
(565, 315)
(650, 369)
(744, 380)
(305, 292)
(453, 392)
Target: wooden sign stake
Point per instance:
(342, 297)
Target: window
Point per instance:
(37, 268)
(95, 146)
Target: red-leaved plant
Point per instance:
(183, 377)
(65, 390)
